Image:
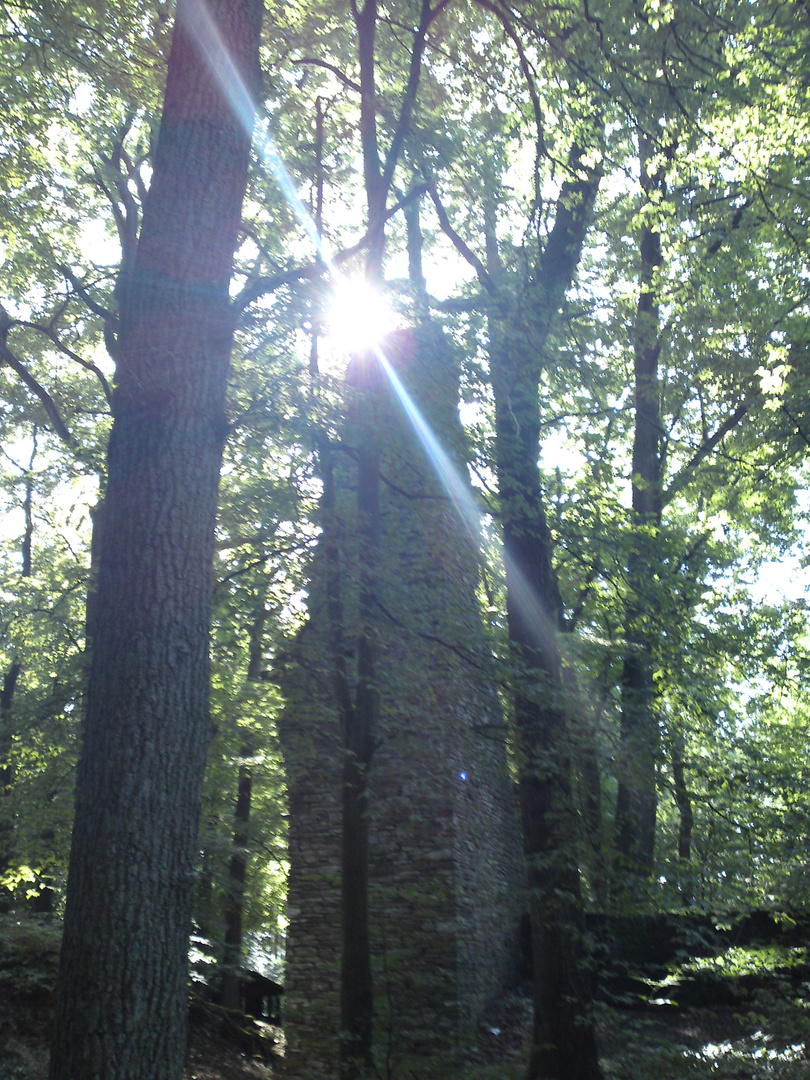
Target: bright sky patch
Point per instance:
(359, 316)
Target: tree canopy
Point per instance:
(605, 207)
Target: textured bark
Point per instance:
(10, 680)
(237, 870)
(237, 874)
(637, 797)
(685, 818)
(357, 700)
(121, 999)
(564, 1038)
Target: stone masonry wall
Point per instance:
(447, 882)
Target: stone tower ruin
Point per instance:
(447, 885)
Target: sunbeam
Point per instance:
(209, 41)
(462, 498)
(216, 54)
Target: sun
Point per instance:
(358, 317)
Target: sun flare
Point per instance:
(359, 316)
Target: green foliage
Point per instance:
(721, 91)
(29, 956)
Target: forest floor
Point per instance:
(765, 1035)
(768, 1040)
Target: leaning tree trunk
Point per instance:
(122, 992)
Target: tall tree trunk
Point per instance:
(564, 1043)
(237, 874)
(359, 709)
(564, 1039)
(358, 705)
(637, 796)
(359, 733)
(122, 990)
(685, 817)
(10, 680)
(237, 870)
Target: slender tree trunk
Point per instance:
(357, 703)
(358, 706)
(564, 1042)
(10, 680)
(359, 733)
(564, 1038)
(6, 775)
(358, 710)
(122, 991)
(637, 796)
(237, 870)
(685, 818)
(234, 904)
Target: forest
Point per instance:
(559, 252)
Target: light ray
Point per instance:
(209, 41)
(213, 48)
(462, 498)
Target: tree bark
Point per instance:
(637, 796)
(122, 990)
(357, 1000)
(237, 870)
(357, 702)
(685, 817)
(7, 694)
(564, 1037)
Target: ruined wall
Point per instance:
(446, 869)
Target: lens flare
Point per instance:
(358, 317)
(458, 489)
(213, 48)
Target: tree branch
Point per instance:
(313, 61)
(459, 244)
(426, 16)
(681, 479)
(88, 365)
(82, 291)
(256, 287)
(39, 391)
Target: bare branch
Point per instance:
(39, 391)
(409, 96)
(258, 286)
(82, 291)
(458, 243)
(313, 61)
(88, 365)
(682, 478)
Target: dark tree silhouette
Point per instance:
(121, 1008)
